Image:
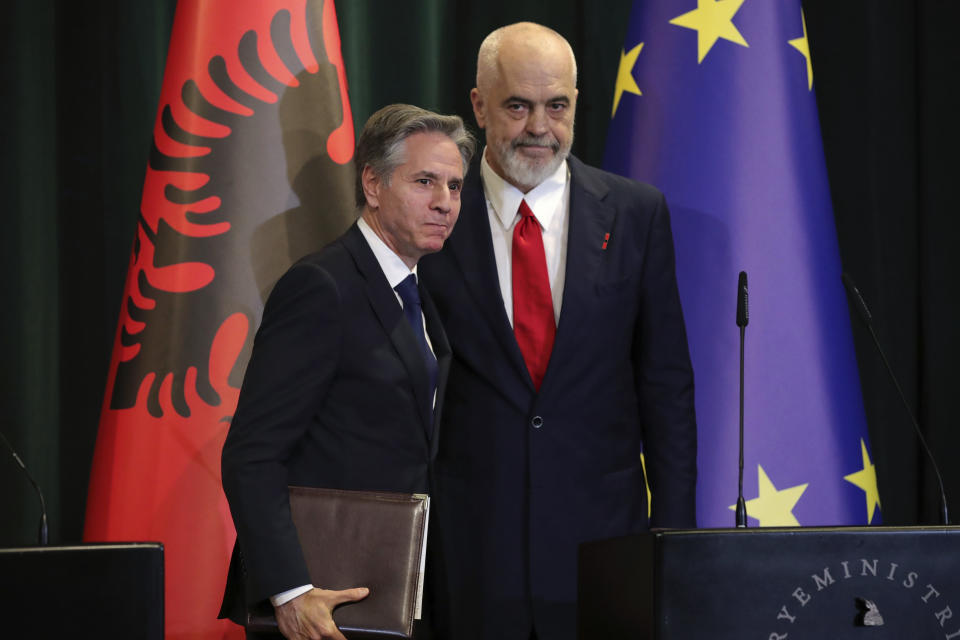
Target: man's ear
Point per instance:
(479, 107)
(371, 187)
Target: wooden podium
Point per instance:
(862, 583)
(109, 590)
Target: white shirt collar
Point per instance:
(504, 198)
(390, 263)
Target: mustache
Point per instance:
(545, 140)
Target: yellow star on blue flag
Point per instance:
(712, 20)
(866, 479)
(773, 507)
(625, 80)
(803, 46)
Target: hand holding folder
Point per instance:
(362, 538)
(313, 611)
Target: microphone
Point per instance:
(743, 303)
(42, 535)
(864, 312)
(743, 317)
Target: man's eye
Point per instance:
(424, 181)
(456, 187)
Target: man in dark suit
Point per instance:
(558, 294)
(343, 385)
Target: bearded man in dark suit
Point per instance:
(346, 379)
(558, 294)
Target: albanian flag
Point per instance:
(249, 170)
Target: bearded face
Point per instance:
(528, 160)
(526, 104)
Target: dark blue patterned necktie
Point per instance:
(412, 310)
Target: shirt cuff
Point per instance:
(288, 595)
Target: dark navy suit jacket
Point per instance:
(524, 477)
(335, 395)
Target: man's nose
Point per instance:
(442, 199)
(537, 122)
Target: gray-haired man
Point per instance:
(346, 375)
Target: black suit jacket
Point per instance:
(524, 477)
(335, 395)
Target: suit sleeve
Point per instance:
(664, 378)
(292, 364)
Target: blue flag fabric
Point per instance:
(714, 105)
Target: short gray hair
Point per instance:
(381, 145)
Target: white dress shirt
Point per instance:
(550, 203)
(392, 266)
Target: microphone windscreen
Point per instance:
(743, 304)
(858, 300)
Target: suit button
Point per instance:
(537, 422)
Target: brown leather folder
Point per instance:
(362, 539)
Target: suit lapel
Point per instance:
(384, 302)
(472, 248)
(441, 349)
(590, 218)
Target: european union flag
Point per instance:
(714, 104)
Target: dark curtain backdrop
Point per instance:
(80, 88)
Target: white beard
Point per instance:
(527, 172)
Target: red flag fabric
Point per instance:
(249, 170)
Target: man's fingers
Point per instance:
(335, 635)
(348, 595)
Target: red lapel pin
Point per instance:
(606, 238)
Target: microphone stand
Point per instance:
(864, 313)
(944, 514)
(42, 533)
(743, 316)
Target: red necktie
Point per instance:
(533, 323)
